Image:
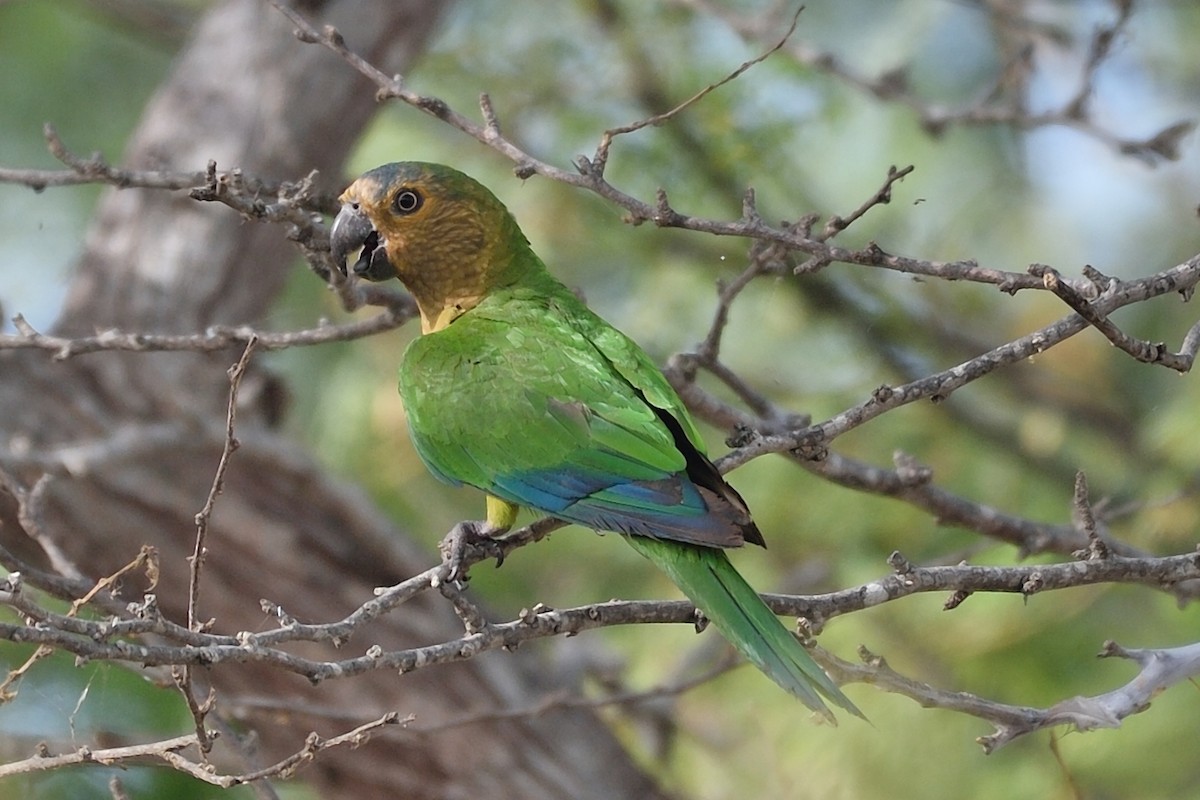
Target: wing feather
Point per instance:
(577, 422)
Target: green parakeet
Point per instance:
(518, 389)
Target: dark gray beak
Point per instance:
(352, 231)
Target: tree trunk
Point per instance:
(132, 440)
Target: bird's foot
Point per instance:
(466, 535)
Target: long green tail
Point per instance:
(709, 580)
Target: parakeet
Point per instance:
(518, 389)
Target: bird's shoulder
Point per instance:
(517, 332)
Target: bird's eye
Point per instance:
(407, 201)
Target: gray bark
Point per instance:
(246, 93)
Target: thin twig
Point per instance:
(214, 339)
(107, 756)
(29, 516)
(1160, 669)
(1148, 352)
(1003, 105)
(199, 709)
(196, 562)
(168, 750)
(1085, 520)
(147, 558)
(836, 224)
(600, 158)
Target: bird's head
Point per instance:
(439, 231)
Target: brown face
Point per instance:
(440, 232)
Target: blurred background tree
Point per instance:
(814, 128)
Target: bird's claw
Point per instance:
(463, 536)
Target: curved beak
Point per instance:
(352, 230)
(350, 233)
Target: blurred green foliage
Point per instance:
(806, 142)
(61, 65)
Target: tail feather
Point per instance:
(709, 580)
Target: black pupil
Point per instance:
(407, 201)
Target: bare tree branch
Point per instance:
(600, 157)
(1004, 104)
(215, 339)
(1160, 669)
(937, 387)
(168, 750)
(1150, 353)
(111, 639)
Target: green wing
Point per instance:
(534, 399)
